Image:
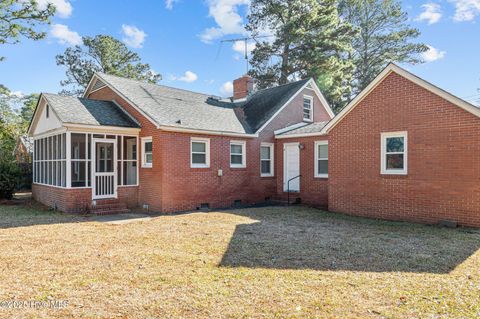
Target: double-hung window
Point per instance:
(266, 159)
(200, 153)
(321, 159)
(237, 154)
(394, 153)
(147, 152)
(307, 108)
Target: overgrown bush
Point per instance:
(25, 178)
(9, 177)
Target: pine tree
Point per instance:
(309, 40)
(383, 36)
(105, 54)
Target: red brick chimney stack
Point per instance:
(242, 87)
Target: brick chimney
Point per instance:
(242, 87)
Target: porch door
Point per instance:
(104, 169)
(291, 166)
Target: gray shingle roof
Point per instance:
(185, 109)
(76, 110)
(262, 105)
(167, 106)
(315, 127)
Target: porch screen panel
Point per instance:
(129, 160)
(49, 160)
(79, 155)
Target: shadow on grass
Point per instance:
(304, 238)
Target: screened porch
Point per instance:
(102, 162)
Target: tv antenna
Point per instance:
(245, 41)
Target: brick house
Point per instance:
(388, 154)
(127, 143)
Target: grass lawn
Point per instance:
(271, 262)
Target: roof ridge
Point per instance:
(274, 87)
(155, 84)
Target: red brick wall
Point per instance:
(443, 158)
(313, 190)
(149, 178)
(78, 200)
(171, 185)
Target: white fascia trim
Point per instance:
(409, 76)
(105, 129)
(289, 128)
(322, 99)
(56, 131)
(34, 122)
(206, 132)
(85, 95)
(300, 135)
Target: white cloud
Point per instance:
(466, 10)
(433, 54)
(432, 13)
(227, 89)
(63, 7)
(133, 36)
(188, 77)
(239, 46)
(226, 16)
(169, 4)
(64, 35)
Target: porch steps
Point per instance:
(282, 200)
(109, 207)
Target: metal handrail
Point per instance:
(288, 188)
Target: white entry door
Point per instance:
(104, 169)
(291, 166)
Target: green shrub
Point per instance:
(9, 176)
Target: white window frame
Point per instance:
(144, 141)
(272, 157)
(206, 141)
(383, 147)
(316, 159)
(307, 97)
(243, 144)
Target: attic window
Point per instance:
(47, 111)
(307, 108)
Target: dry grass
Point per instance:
(263, 263)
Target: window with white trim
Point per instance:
(147, 152)
(321, 159)
(237, 154)
(394, 153)
(199, 152)
(307, 108)
(266, 159)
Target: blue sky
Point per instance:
(181, 40)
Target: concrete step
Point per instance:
(111, 211)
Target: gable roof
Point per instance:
(76, 110)
(180, 110)
(409, 76)
(167, 106)
(262, 105)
